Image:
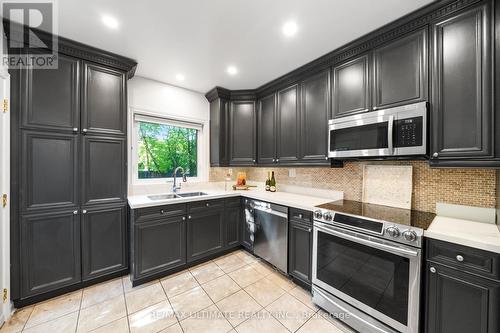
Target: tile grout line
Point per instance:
(171, 307)
(80, 309)
(125, 301)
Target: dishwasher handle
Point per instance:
(271, 211)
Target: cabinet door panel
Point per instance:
(104, 170)
(288, 123)
(300, 251)
(205, 233)
(314, 117)
(400, 71)
(242, 129)
(462, 91)
(232, 222)
(49, 171)
(104, 100)
(267, 130)
(52, 97)
(50, 246)
(104, 241)
(351, 87)
(219, 132)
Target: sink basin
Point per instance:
(191, 194)
(162, 196)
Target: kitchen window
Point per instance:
(163, 144)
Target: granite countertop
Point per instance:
(479, 235)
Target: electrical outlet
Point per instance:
(292, 173)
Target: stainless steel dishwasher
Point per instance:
(271, 233)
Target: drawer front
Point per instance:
(233, 202)
(152, 213)
(301, 216)
(467, 259)
(197, 206)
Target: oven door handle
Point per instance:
(368, 242)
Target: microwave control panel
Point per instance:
(408, 132)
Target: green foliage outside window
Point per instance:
(162, 148)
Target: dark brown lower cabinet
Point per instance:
(104, 241)
(300, 251)
(50, 248)
(205, 233)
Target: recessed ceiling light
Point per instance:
(180, 77)
(231, 70)
(290, 28)
(110, 22)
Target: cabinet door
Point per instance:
(232, 221)
(351, 87)
(460, 303)
(462, 89)
(400, 71)
(49, 171)
(315, 112)
(205, 233)
(266, 130)
(104, 241)
(242, 132)
(51, 98)
(288, 123)
(50, 250)
(219, 133)
(104, 100)
(104, 170)
(300, 251)
(159, 245)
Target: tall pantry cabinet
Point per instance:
(69, 173)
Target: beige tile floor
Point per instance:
(233, 293)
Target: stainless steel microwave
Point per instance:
(398, 131)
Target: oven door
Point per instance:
(379, 277)
(361, 136)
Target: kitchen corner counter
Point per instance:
(305, 202)
(479, 235)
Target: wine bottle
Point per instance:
(272, 184)
(268, 183)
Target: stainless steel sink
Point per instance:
(163, 196)
(191, 194)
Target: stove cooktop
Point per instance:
(408, 217)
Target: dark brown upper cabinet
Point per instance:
(462, 95)
(266, 130)
(219, 138)
(242, 137)
(104, 100)
(400, 71)
(288, 125)
(315, 112)
(351, 87)
(51, 98)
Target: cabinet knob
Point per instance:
(84, 211)
(253, 161)
(460, 258)
(433, 270)
(301, 216)
(207, 204)
(75, 212)
(190, 217)
(326, 158)
(75, 129)
(162, 211)
(84, 130)
(435, 155)
(184, 218)
(274, 160)
(277, 160)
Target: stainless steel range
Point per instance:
(366, 264)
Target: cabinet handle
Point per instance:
(84, 211)
(75, 212)
(435, 155)
(460, 258)
(433, 270)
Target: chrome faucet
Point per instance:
(175, 187)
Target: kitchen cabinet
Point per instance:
(242, 138)
(462, 92)
(219, 132)
(288, 125)
(50, 248)
(351, 87)
(300, 240)
(232, 222)
(314, 116)
(400, 71)
(266, 130)
(104, 241)
(205, 232)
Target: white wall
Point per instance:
(152, 97)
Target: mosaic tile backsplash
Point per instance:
(472, 187)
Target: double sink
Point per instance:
(169, 196)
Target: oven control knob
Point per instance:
(327, 216)
(318, 214)
(392, 231)
(410, 235)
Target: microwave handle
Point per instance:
(389, 135)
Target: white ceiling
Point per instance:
(200, 38)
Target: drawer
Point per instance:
(233, 202)
(464, 258)
(302, 216)
(156, 212)
(196, 206)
